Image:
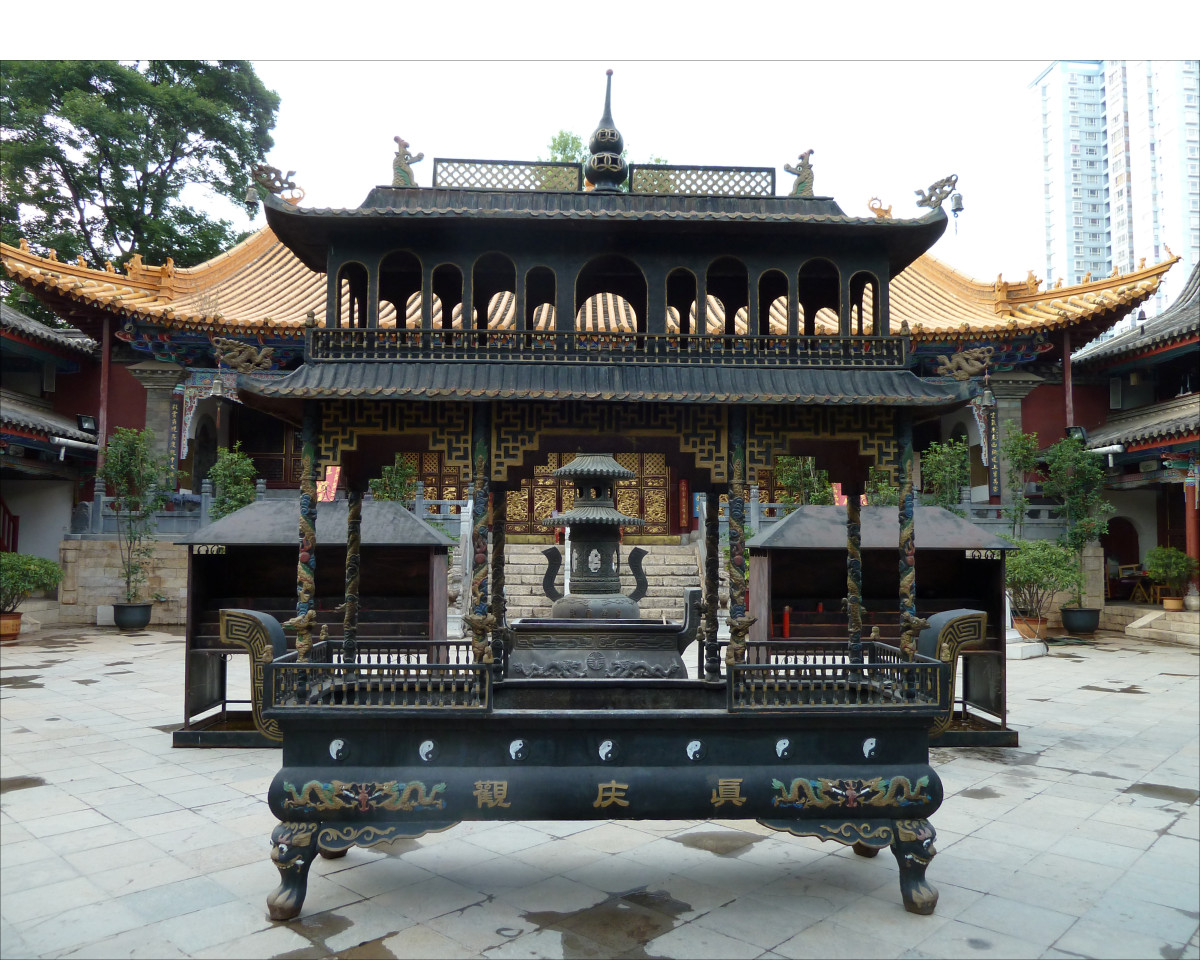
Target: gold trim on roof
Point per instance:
(259, 287)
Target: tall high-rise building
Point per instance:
(1121, 167)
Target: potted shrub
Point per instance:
(140, 484)
(1075, 476)
(20, 575)
(1173, 567)
(1033, 573)
(232, 475)
(945, 470)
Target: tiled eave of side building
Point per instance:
(22, 328)
(260, 291)
(1177, 326)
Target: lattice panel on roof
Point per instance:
(712, 181)
(507, 175)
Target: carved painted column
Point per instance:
(853, 491)
(910, 624)
(306, 568)
(712, 577)
(499, 612)
(739, 623)
(354, 502)
(479, 621)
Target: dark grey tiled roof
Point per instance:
(70, 338)
(824, 528)
(27, 417)
(1160, 421)
(1178, 321)
(596, 381)
(276, 521)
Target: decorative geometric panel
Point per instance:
(507, 175)
(771, 429)
(446, 425)
(517, 430)
(710, 181)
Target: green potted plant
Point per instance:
(1075, 476)
(1033, 573)
(139, 483)
(20, 575)
(1173, 567)
(1019, 452)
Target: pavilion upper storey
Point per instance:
(656, 276)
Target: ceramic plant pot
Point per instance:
(132, 616)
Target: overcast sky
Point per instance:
(880, 129)
(878, 126)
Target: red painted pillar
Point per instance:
(102, 425)
(1191, 519)
(1068, 390)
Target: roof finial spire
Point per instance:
(606, 168)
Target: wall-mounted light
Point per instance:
(1078, 433)
(86, 423)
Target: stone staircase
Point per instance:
(1152, 623)
(668, 568)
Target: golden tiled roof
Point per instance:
(260, 288)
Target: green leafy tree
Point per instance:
(566, 147)
(233, 477)
(880, 492)
(1075, 477)
(97, 154)
(944, 472)
(397, 482)
(21, 574)
(1171, 566)
(1020, 452)
(802, 483)
(139, 483)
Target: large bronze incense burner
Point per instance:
(511, 314)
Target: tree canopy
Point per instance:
(97, 154)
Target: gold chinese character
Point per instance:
(491, 793)
(728, 791)
(610, 793)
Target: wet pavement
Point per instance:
(1084, 841)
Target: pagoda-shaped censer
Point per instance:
(595, 631)
(595, 558)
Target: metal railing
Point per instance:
(390, 344)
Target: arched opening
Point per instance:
(864, 305)
(541, 289)
(447, 283)
(352, 295)
(493, 273)
(818, 288)
(616, 275)
(399, 282)
(772, 288)
(728, 281)
(1120, 544)
(681, 300)
(606, 313)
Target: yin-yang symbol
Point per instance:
(869, 747)
(695, 750)
(337, 749)
(427, 750)
(516, 749)
(783, 748)
(606, 751)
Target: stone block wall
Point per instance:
(92, 581)
(1093, 595)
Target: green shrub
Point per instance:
(1035, 571)
(944, 472)
(398, 482)
(21, 574)
(232, 477)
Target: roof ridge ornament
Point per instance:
(273, 180)
(606, 169)
(803, 187)
(937, 193)
(875, 205)
(402, 172)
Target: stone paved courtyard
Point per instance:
(1084, 841)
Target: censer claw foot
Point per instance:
(913, 849)
(865, 849)
(293, 848)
